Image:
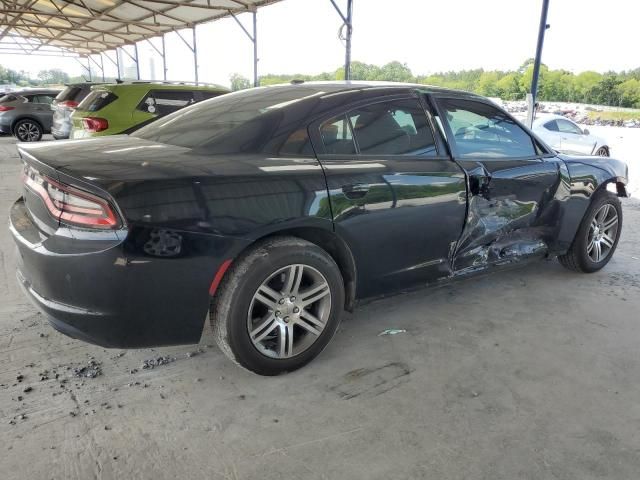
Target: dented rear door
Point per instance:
(512, 184)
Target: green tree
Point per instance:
(238, 82)
(53, 76)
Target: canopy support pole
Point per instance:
(115, 62)
(254, 40)
(102, 66)
(84, 66)
(135, 45)
(194, 49)
(135, 59)
(536, 65)
(164, 60)
(195, 54)
(162, 54)
(347, 21)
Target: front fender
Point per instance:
(585, 176)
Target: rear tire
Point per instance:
(28, 130)
(602, 152)
(597, 236)
(263, 316)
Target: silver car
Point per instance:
(27, 114)
(64, 105)
(566, 136)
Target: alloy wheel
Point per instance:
(28, 132)
(602, 152)
(289, 311)
(603, 232)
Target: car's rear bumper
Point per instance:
(99, 289)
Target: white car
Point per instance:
(565, 136)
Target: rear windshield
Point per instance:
(96, 100)
(235, 122)
(69, 93)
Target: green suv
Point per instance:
(124, 107)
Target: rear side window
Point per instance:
(552, 126)
(337, 136)
(97, 100)
(8, 98)
(481, 130)
(164, 102)
(42, 98)
(397, 127)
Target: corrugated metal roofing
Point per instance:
(92, 26)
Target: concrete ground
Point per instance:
(532, 373)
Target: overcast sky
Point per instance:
(301, 36)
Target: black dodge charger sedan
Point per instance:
(274, 209)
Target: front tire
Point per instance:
(278, 306)
(602, 152)
(597, 236)
(28, 131)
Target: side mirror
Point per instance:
(585, 131)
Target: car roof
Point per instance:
(352, 85)
(32, 91)
(148, 85)
(551, 116)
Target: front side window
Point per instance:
(337, 136)
(567, 127)
(481, 130)
(398, 127)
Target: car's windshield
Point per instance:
(236, 120)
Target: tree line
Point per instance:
(618, 89)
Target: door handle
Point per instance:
(355, 191)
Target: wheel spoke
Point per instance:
(265, 328)
(314, 294)
(602, 214)
(309, 328)
(607, 240)
(598, 251)
(612, 222)
(590, 247)
(285, 341)
(294, 277)
(267, 296)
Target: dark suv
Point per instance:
(27, 114)
(64, 105)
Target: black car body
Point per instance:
(184, 197)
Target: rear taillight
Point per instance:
(69, 103)
(94, 124)
(5, 108)
(70, 205)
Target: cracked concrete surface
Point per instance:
(530, 373)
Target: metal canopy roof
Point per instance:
(85, 27)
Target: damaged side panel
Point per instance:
(514, 211)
